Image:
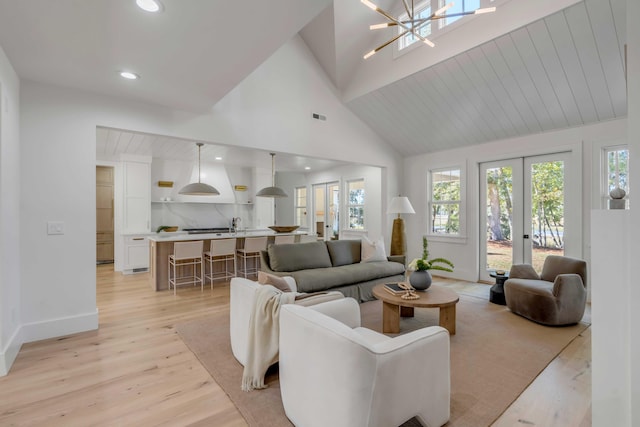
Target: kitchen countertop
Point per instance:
(181, 236)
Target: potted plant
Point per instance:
(420, 278)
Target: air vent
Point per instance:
(318, 116)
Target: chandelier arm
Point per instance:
(406, 7)
(399, 23)
(382, 46)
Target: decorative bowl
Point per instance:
(284, 228)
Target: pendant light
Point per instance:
(199, 188)
(272, 191)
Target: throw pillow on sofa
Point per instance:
(373, 251)
(275, 281)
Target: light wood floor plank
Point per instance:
(136, 371)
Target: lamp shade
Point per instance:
(400, 205)
(273, 191)
(199, 188)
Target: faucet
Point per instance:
(235, 222)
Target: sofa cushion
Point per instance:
(326, 278)
(298, 256)
(344, 252)
(372, 251)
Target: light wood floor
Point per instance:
(135, 370)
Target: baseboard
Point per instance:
(37, 331)
(10, 351)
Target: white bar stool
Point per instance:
(222, 251)
(281, 240)
(186, 254)
(251, 251)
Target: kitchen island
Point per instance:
(161, 246)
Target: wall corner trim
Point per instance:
(10, 352)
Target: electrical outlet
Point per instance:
(55, 227)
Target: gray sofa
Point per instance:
(333, 265)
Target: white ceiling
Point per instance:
(188, 57)
(564, 70)
(112, 143)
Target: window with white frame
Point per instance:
(301, 206)
(615, 171)
(445, 204)
(355, 204)
(433, 27)
(421, 11)
(459, 6)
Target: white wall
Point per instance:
(271, 109)
(464, 252)
(10, 336)
(376, 199)
(616, 364)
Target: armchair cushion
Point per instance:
(523, 271)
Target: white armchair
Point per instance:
(243, 294)
(332, 374)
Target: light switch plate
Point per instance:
(55, 227)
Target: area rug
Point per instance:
(495, 355)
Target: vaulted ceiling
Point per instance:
(561, 70)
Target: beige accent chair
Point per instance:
(336, 373)
(556, 297)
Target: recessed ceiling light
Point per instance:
(218, 158)
(129, 75)
(149, 5)
(307, 168)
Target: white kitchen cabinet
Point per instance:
(136, 254)
(137, 196)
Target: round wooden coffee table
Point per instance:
(436, 296)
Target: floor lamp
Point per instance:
(399, 205)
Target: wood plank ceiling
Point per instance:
(562, 71)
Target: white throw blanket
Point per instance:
(264, 333)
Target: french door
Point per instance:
(326, 205)
(526, 213)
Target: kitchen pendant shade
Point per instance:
(199, 188)
(273, 191)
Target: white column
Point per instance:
(633, 137)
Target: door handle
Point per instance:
(526, 236)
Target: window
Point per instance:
(355, 204)
(459, 6)
(431, 28)
(444, 202)
(421, 11)
(301, 206)
(616, 171)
